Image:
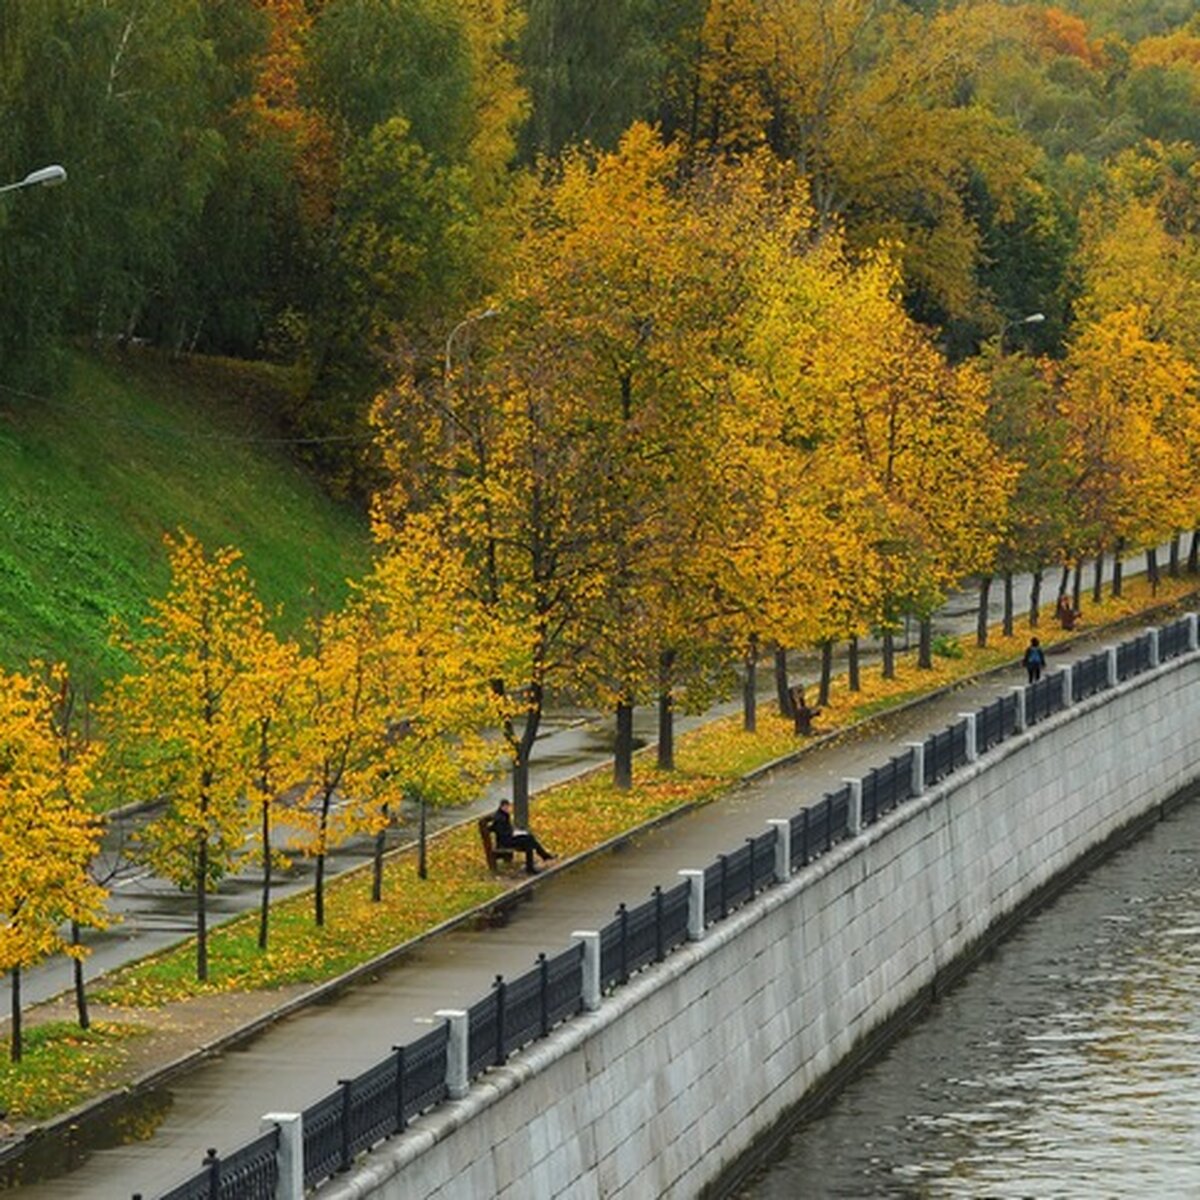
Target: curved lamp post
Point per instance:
(480, 316)
(45, 176)
(1033, 319)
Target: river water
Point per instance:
(1067, 1064)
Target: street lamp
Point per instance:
(46, 176)
(1035, 318)
(481, 316)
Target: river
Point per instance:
(1067, 1064)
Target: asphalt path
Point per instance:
(150, 913)
(297, 1061)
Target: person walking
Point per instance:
(508, 838)
(1034, 660)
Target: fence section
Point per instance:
(383, 1099)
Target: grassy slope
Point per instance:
(135, 447)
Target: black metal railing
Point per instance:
(995, 722)
(382, 1100)
(1044, 698)
(1133, 657)
(249, 1173)
(1089, 675)
(1175, 639)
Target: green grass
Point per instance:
(134, 447)
(62, 1065)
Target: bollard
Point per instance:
(590, 940)
(457, 1052)
(918, 768)
(783, 848)
(695, 903)
(1022, 722)
(854, 820)
(972, 720)
(290, 1154)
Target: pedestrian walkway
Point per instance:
(300, 1059)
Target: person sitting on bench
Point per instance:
(508, 838)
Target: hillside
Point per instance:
(135, 446)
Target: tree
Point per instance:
(340, 748)
(267, 693)
(48, 835)
(1118, 385)
(180, 723)
(438, 658)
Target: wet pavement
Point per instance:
(300, 1059)
(151, 914)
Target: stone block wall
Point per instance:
(678, 1074)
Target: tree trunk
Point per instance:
(853, 680)
(1118, 567)
(422, 838)
(522, 753)
(1035, 598)
(14, 1042)
(666, 711)
(319, 892)
(623, 748)
(377, 865)
(1098, 578)
(1193, 565)
(1152, 569)
(782, 692)
(1008, 604)
(826, 673)
(981, 618)
(888, 649)
(264, 903)
(81, 1000)
(1173, 561)
(925, 644)
(1077, 586)
(202, 909)
(1065, 581)
(750, 686)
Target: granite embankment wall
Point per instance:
(663, 1089)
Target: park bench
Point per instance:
(493, 853)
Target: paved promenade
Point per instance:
(299, 1060)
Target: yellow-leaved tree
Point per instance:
(48, 835)
(180, 723)
(1129, 401)
(339, 752)
(438, 657)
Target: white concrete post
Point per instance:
(1112, 666)
(972, 720)
(1193, 620)
(1068, 685)
(290, 1155)
(918, 768)
(854, 821)
(458, 1052)
(1022, 721)
(695, 904)
(591, 967)
(1155, 646)
(783, 848)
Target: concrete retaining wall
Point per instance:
(664, 1089)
